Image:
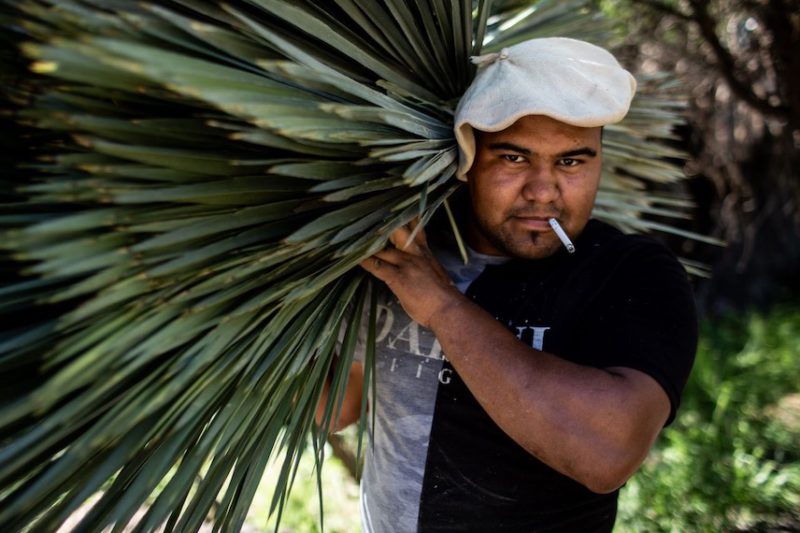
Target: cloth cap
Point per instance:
(565, 79)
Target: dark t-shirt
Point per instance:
(620, 300)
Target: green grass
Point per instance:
(732, 459)
(302, 514)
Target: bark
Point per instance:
(738, 62)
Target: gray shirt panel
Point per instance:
(408, 373)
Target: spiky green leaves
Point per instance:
(217, 181)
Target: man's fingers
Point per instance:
(371, 265)
(383, 263)
(389, 261)
(421, 239)
(419, 236)
(391, 256)
(378, 268)
(401, 238)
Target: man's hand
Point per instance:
(414, 275)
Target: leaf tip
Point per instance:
(44, 67)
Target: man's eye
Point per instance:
(513, 158)
(569, 162)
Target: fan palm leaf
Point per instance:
(185, 234)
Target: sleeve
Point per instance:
(648, 320)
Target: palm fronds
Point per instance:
(186, 237)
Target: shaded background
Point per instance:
(737, 62)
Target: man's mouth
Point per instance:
(532, 223)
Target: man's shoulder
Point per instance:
(604, 239)
(600, 232)
(605, 256)
(629, 262)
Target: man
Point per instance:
(520, 392)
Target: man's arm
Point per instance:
(593, 425)
(351, 403)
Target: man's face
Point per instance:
(536, 169)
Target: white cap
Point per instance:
(571, 81)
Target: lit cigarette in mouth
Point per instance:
(561, 235)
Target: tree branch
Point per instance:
(786, 62)
(666, 9)
(727, 64)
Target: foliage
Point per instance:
(732, 459)
(185, 233)
(341, 500)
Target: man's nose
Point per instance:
(541, 185)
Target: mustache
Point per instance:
(533, 212)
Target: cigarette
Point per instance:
(561, 235)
